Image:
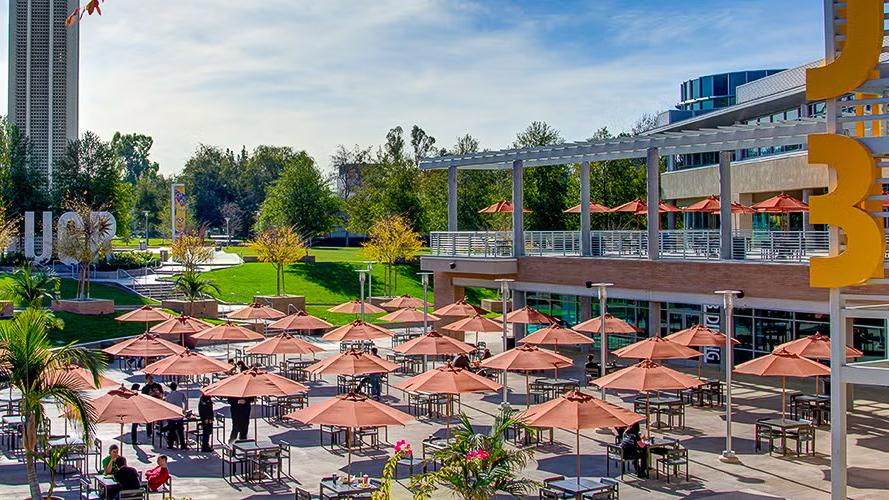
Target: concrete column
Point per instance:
(745, 221)
(671, 217)
(452, 198)
(444, 291)
(654, 318)
(518, 301)
(518, 216)
(586, 307)
(585, 249)
(725, 205)
(806, 194)
(654, 188)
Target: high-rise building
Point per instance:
(43, 76)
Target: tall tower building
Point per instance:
(43, 76)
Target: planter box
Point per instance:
(461, 336)
(287, 304)
(204, 308)
(250, 258)
(496, 305)
(6, 309)
(307, 258)
(90, 307)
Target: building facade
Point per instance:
(43, 77)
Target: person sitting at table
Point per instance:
(127, 478)
(176, 427)
(240, 412)
(134, 429)
(242, 366)
(486, 354)
(634, 449)
(461, 361)
(234, 369)
(109, 463)
(205, 412)
(591, 363)
(157, 476)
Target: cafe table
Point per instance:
(355, 487)
(581, 486)
(782, 425)
(655, 405)
(817, 405)
(252, 450)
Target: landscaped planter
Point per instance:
(287, 304)
(250, 258)
(495, 305)
(203, 308)
(6, 309)
(307, 258)
(88, 307)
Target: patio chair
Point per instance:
(671, 462)
(613, 492)
(539, 392)
(131, 495)
(765, 432)
(86, 489)
(302, 494)
(677, 411)
(616, 453)
(233, 463)
(546, 492)
(803, 436)
(285, 456)
(97, 453)
(165, 490)
(77, 458)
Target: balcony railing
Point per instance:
(770, 246)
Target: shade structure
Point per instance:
(783, 363)
(459, 309)
(501, 207)
(123, 406)
(433, 344)
(351, 411)
(700, 336)
(575, 411)
(230, 332)
(556, 335)
(408, 315)
(284, 343)
(145, 314)
(404, 301)
(815, 346)
(352, 362)
(147, 345)
(354, 307)
(780, 204)
(185, 364)
(528, 316)
(595, 208)
(656, 347)
(256, 311)
(357, 330)
(526, 358)
(299, 320)
(474, 323)
(613, 324)
(639, 207)
(711, 205)
(647, 376)
(80, 379)
(181, 326)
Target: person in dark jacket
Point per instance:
(634, 449)
(127, 478)
(240, 410)
(205, 413)
(134, 429)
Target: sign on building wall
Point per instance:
(179, 200)
(712, 319)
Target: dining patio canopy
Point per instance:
(650, 146)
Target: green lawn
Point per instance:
(80, 328)
(68, 290)
(321, 254)
(133, 243)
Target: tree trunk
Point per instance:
(283, 290)
(28, 439)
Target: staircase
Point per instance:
(158, 290)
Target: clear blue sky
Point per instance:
(313, 74)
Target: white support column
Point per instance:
(725, 205)
(806, 225)
(518, 203)
(654, 188)
(838, 408)
(585, 249)
(452, 198)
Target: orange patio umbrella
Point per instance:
(254, 383)
(711, 205)
(358, 330)
(575, 411)
(256, 311)
(700, 336)
(529, 316)
(354, 307)
(404, 301)
(476, 323)
(556, 335)
(595, 208)
(352, 362)
(145, 314)
(187, 363)
(408, 315)
(147, 345)
(123, 406)
(80, 378)
(526, 358)
(816, 347)
(433, 344)
(459, 309)
(639, 207)
(613, 324)
(284, 343)
(229, 332)
(501, 207)
(352, 411)
(782, 363)
(300, 320)
(780, 204)
(180, 325)
(656, 347)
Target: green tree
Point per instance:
(279, 246)
(134, 151)
(211, 178)
(261, 170)
(29, 288)
(151, 194)
(546, 188)
(22, 187)
(194, 286)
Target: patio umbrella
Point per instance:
(501, 207)
(300, 320)
(256, 311)
(229, 332)
(459, 309)
(357, 330)
(656, 347)
(782, 363)
(526, 358)
(700, 336)
(448, 380)
(81, 379)
(254, 383)
(123, 406)
(475, 323)
(575, 411)
(711, 205)
(595, 208)
(529, 316)
(147, 345)
(647, 376)
(404, 301)
(639, 207)
(816, 347)
(145, 314)
(284, 343)
(613, 325)
(352, 362)
(354, 307)
(433, 344)
(408, 315)
(556, 335)
(352, 411)
(187, 364)
(180, 325)
(780, 204)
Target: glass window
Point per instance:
(735, 79)
(744, 332)
(869, 336)
(707, 86)
(695, 88)
(769, 333)
(792, 114)
(720, 85)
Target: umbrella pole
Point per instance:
(577, 451)
(527, 391)
(783, 393)
(255, 433)
(349, 447)
(648, 414)
(505, 388)
(817, 385)
(121, 439)
(700, 365)
(450, 414)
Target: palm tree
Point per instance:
(32, 363)
(478, 466)
(29, 288)
(193, 286)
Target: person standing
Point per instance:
(240, 410)
(134, 429)
(205, 412)
(176, 427)
(153, 389)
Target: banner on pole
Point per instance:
(179, 200)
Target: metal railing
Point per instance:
(553, 243)
(471, 243)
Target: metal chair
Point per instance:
(131, 495)
(671, 462)
(165, 490)
(616, 453)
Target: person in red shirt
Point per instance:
(157, 476)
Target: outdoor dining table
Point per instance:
(581, 486)
(252, 449)
(355, 487)
(817, 405)
(296, 369)
(558, 385)
(782, 425)
(655, 404)
(659, 446)
(60, 441)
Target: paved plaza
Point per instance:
(758, 475)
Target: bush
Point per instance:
(15, 259)
(128, 260)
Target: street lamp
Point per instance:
(504, 296)
(424, 277)
(361, 279)
(728, 297)
(145, 213)
(603, 334)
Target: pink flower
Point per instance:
(478, 455)
(403, 446)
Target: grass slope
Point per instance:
(68, 290)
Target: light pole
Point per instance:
(504, 296)
(370, 279)
(228, 232)
(145, 213)
(424, 277)
(603, 332)
(361, 279)
(728, 297)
